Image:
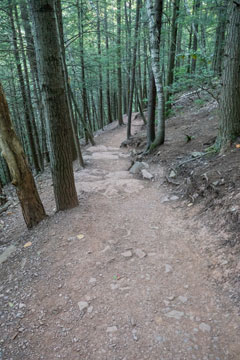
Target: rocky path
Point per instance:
(118, 278)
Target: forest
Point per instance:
(95, 91)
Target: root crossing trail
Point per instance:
(120, 277)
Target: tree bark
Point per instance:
(133, 70)
(22, 179)
(119, 63)
(170, 77)
(151, 111)
(55, 102)
(229, 106)
(155, 25)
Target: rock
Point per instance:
(205, 327)
(137, 167)
(21, 306)
(168, 268)
(92, 281)
(83, 305)
(6, 253)
(111, 329)
(173, 198)
(146, 175)
(140, 253)
(127, 254)
(90, 309)
(183, 299)
(145, 165)
(175, 314)
(196, 154)
(134, 334)
(172, 174)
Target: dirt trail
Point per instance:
(134, 287)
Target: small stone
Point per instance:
(136, 168)
(127, 254)
(146, 175)
(174, 198)
(83, 305)
(183, 299)
(168, 268)
(172, 174)
(140, 253)
(134, 334)
(21, 306)
(92, 281)
(90, 309)
(111, 329)
(196, 154)
(175, 314)
(171, 298)
(205, 327)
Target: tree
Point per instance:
(229, 106)
(51, 78)
(133, 70)
(155, 24)
(32, 208)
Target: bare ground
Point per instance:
(127, 275)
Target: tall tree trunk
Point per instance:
(229, 106)
(151, 111)
(28, 93)
(66, 83)
(174, 31)
(32, 147)
(32, 208)
(196, 7)
(55, 101)
(100, 92)
(155, 25)
(133, 70)
(109, 111)
(119, 62)
(220, 38)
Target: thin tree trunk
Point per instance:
(119, 63)
(66, 82)
(152, 97)
(109, 111)
(133, 70)
(155, 25)
(100, 92)
(32, 148)
(32, 208)
(170, 77)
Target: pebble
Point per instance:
(168, 268)
(175, 314)
(83, 305)
(21, 306)
(90, 309)
(183, 299)
(111, 329)
(92, 281)
(127, 254)
(146, 175)
(140, 253)
(205, 327)
(134, 334)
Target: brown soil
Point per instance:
(129, 274)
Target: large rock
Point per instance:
(146, 175)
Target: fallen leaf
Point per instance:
(80, 236)
(27, 244)
(11, 304)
